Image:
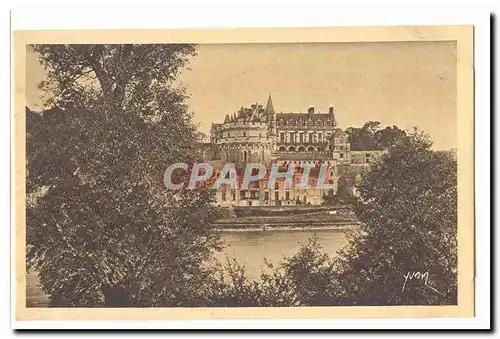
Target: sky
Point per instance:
(406, 84)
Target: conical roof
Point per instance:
(269, 107)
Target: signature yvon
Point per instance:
(419, 276)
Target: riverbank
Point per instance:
(272, 228)
(288, 218)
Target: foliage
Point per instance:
(408, 207)
(299, 280)
(371, 137)
(101, 228)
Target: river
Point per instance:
(248, 248)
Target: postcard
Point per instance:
(244, 173)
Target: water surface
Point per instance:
(248, 248)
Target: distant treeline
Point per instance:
(372, 137)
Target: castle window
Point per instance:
(244, 134)
(287, 195)
(245, 156)
(266, 195)
(224, 196)
(341, 155)
(234, 195)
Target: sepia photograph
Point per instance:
(201, 175)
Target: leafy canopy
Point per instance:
(101, 228)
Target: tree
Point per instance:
(353, 135)
(371, 137)
(408, 207)
(384, 138)
(362, 139)
(101, 227)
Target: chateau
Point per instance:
(259, 134)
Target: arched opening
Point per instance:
(302, 149)
(310, 149)
(282, 149)
(245, 156)
(291, 149)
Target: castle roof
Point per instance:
(303, 116)
(269, 107)
(338, 132)
(257, 113)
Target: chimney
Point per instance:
(331, 110)
(310, 110)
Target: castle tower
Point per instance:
(245, 138)
(269, 107)
(271, 116)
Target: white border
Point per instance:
(217, 16)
